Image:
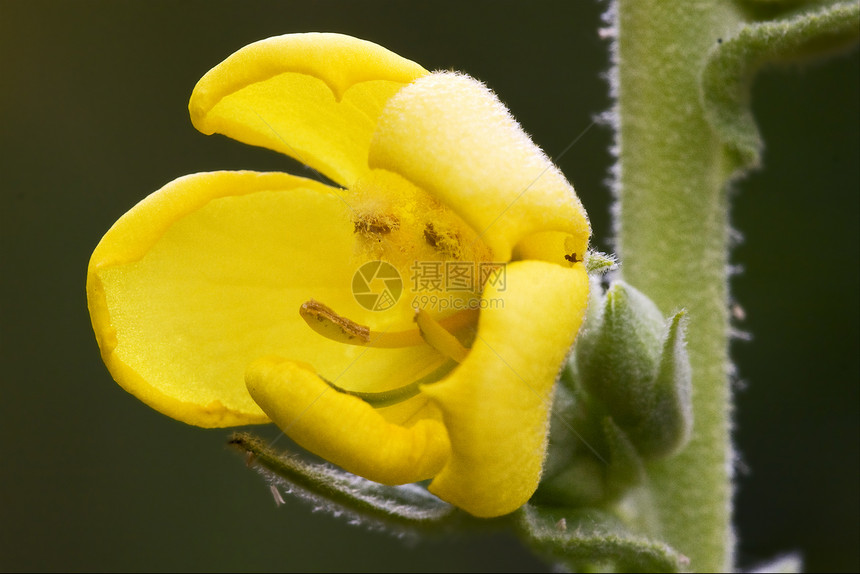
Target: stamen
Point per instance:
(400, 394)
(333, 326)
(330, 325)
(439, 338)
(338, 328)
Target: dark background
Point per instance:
(93, 116)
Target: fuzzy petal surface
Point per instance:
(496, 405)
(344, 429)
(451, 136)
(314, 97)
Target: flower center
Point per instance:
(442, 265)
(395, 221)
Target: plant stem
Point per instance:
(672, 236)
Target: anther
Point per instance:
(445, 242)
(330, 325)
(338, 328)
(376, 224)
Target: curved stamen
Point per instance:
(400, 394)
(439, 338)
(330, 325)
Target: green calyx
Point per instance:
(634, 365)
(624, 400)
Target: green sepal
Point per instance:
(626, 468)
(590, 539)
(802, 34)
(588, 333)
(669, 423)
(636, 366)
(618, 352)
(587, 467)
(398, 508)
(572, 474)
(581, 483)
(598, 263)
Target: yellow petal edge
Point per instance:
(344, 429)
(496, 404)
(119, 294)
(315, 97)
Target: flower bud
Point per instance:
(637, 367)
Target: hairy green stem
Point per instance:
(672, 231)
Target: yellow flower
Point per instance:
(203, 296)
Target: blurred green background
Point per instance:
(93, 114)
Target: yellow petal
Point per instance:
(208, 274)
(314, 97)
(451, 136)
(344, 429)
(496, 404)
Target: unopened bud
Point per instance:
(636, 366)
